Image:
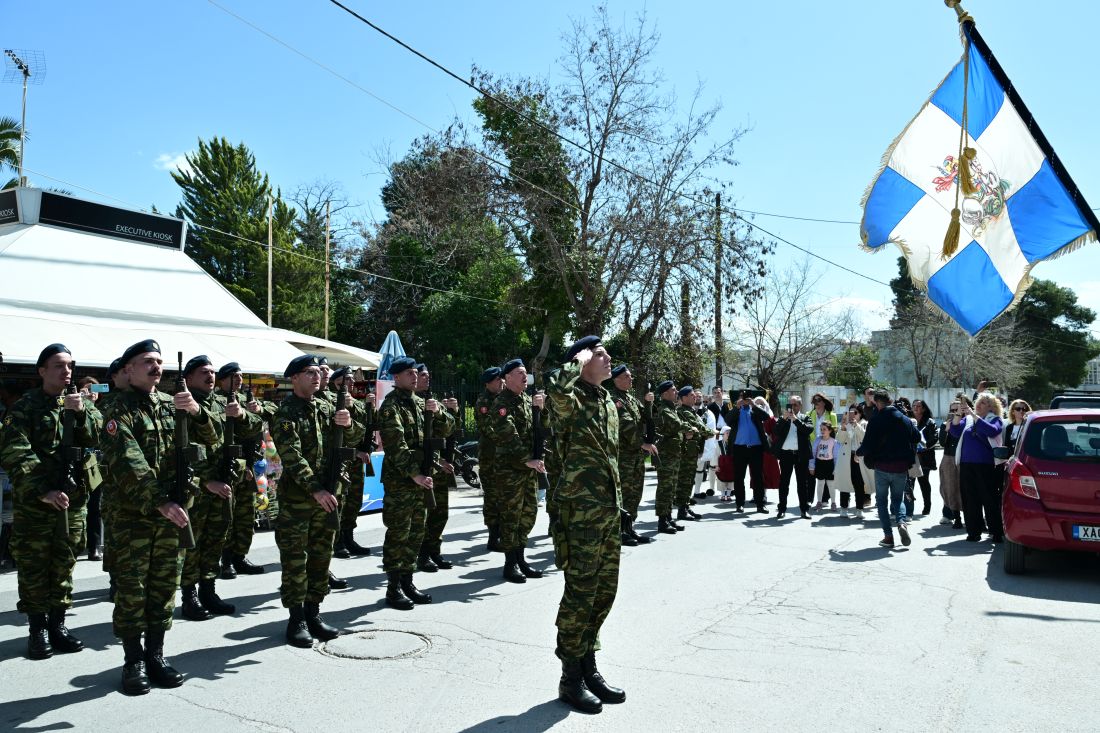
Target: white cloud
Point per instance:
(171, 162)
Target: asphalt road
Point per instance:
(740, 622)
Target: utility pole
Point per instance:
(270, 205)
(328, 266)
(719, 366)
(27, 64)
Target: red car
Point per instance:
(1051, 497)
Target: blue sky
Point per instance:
(131, 85)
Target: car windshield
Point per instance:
(1069, 440)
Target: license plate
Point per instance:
(1086, 532)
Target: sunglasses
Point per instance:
(1019, 409)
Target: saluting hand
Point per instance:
(74, 402)
(186, 402)
(583, 357)
(342, 418)
(174, 513)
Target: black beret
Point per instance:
(114, 369)
(510, 365)
(341, 372)
(665, 386)
(300, 364)
(401, 364)
(51, 350)
(229, 370)
(685, 390)
(421, 366)
(195, 362)
(321, 360)
(618, 370)
(588, 342)
(490, 374)
(141, 347)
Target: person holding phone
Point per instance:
(792, 446)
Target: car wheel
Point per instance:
(1014, 554)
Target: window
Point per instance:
(1072, 440)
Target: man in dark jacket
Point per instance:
(747, 443)
(889, 447)
(792, 447)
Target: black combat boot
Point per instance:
(412, 592)
(395, 597)
(60, 637)
(595, 682)
(134, 679)
(627, 540)
(672, 523)
(571, 689)
(111, 589)
(494, 539)
(297, 630)
(626, 537)
(338, 549)
(157, 667)
(693, 516)
(512, 573)
(5, 546)
(38, 645)
(335, 583)
(210, 600)
(423, 562)
(316, 625)
(228, 571)
(664, 525)
(242, 566)
(440, 562)
(354, 547)
(524, 568)
(640, 539)
(192, 607)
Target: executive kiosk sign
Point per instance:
(9, 207)
(86, 216)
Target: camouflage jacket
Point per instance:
(249, 430)
(30, 438)
(138, 443)
(401, 424)
(586, 423)
(485, 453)
(631, 424)
(670, 428)
(212, 467)
(302, 435)
(694, 423)
(510, 433)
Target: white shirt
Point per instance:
(791, 441)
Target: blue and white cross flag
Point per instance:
(1017, 207)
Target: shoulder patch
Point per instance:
(387, 413)
(8, 419)
(484, 410)
(502, 411)
(111, 427)
(619, 404)
(286, 426)
(60, 400)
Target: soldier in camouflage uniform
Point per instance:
(486, 464)
(401, 423)
(510, 427)
(44, 545)
(119, 384)
(673, 433)
(302, 531)
(212, 512)
(362, 412)
(430, 558)
(632, 449)
(138, 445)
(689, 453)
(250, 435)
(589, 501)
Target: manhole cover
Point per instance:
(378, 644)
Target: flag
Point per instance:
(1018, 208)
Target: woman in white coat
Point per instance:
(707, 464)
(849, 438)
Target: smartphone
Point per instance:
(101, 388)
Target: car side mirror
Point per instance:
(1002, 453)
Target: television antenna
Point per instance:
(28, 67)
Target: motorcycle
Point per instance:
(467, 464)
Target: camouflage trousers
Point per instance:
(148, 563)
(44, 558)
(304, 540)
(518, 509)
(586, 547)
(667, 474)
(210, 527)
(404, 512)
(685, 477)
(239, 535)
(490, 489)
(632, 475)
(436, 521)
(352, 500)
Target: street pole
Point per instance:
(328, 267)
(718, 361)
(270, 205)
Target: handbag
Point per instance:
(915, 471)
(724, 471)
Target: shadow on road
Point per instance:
(541, 717)
(1054, 576)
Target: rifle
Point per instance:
(538, 446)
(231, 453)
(72, 456)
(185, 454)
(367, 444)
(337, 454)
(650, 428)
(431, 445)
(448, 454)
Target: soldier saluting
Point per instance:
(138, 446)
(43, 545)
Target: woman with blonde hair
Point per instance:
(1018, 411)
(979, 431)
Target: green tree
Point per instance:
(852, 367)
(9, 148)
(1058, 327)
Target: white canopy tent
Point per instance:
(99, 294)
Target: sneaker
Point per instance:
(903, 530)
(832, 505)
(844, 512)
(858, 515)
(886, 542)
(818, 506)
(946, 521)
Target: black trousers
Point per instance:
(95, 524)
(981, 495)
(789, 463)
(751, 457)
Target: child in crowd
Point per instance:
(823, 462)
